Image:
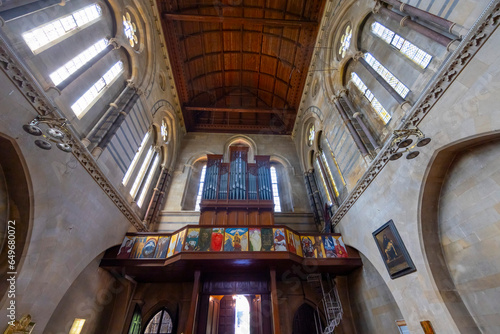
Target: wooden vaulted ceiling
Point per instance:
(240, 65)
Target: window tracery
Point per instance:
(130, 29)
(161, 323)
(345, 41)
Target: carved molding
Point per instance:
(475, 39)
(33, 93)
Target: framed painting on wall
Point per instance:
(393, 251)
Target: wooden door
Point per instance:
(226, 315)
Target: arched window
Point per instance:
(398, 86)
(85, 102)
(56, 30)
(135, 324)
(384, 115)
(63, 72)
(200, 188)
(276, 194)
(417, 55)
(161, 323)
(131, 168)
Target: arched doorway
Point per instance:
(306, 320)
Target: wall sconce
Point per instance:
(52, 130)
(405, 141)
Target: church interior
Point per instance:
(249, 166)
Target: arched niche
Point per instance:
(370, 306)
(241, 140)
(456, 172)
(16, 207)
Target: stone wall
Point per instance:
(469, 223)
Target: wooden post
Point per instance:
(274, 303)
(194, 302)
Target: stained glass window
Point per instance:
(384, 115)
(311, 134)
(417, 55)
(345, 41)
(130, 29)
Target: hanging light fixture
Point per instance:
(405, 141)
(51, 130)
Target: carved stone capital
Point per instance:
(358, 55)
(376, 8)
(114, 42)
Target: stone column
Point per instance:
(314, 199)
(347, 121)
(448, 26)
(357, 116)
(157, 197)
(404, 104)
(406, 21)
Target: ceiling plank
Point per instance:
(241, 110)
(239, 20)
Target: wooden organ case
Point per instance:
(237, 192)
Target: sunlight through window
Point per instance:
(242, 315)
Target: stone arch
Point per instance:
(311, 118)
(241, 139)
(171, 308)
(438, 172)
(16, 204)
(193, 169)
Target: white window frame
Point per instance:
(59, 29)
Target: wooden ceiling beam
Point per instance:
(241, 110)
(239, 20)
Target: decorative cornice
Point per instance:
(27, 85)
(450, 70)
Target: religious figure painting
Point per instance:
(173, 243)
(236, 240)
(308, 246)
(204, 239)
(393, 251)
(148, 251)
(255, 240)
(279, 240)
(340, 248)
(292, 244)
(266, 239)
(217, 239)
(192, 239)
(126, 248)
(162, 247)
(319, 251)
(180, 241)
(298, 246)
(139, 244)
